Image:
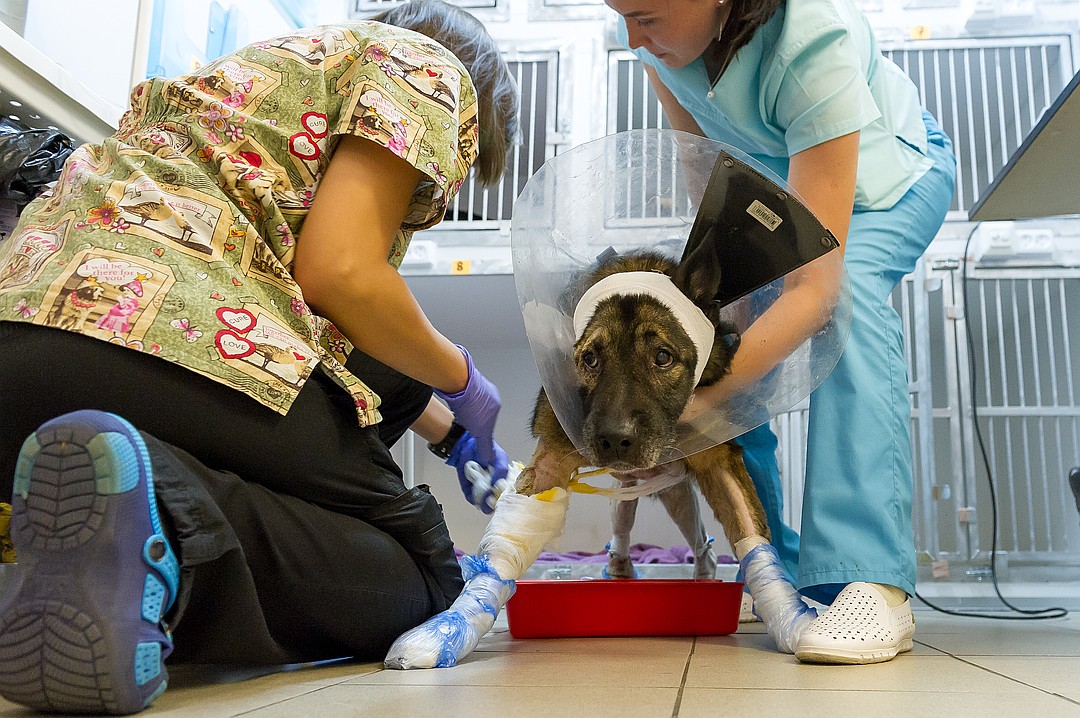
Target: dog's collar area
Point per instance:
(660, 287)
(644, 487)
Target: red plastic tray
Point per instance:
(631, 607)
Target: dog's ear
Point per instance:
(698, 274)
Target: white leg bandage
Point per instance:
(518, 531)
(776, 601)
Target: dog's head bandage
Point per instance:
(661, 288)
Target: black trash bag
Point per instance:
(29, 160)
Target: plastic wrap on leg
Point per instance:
(444, 639)
(518, 531)
(776, 601)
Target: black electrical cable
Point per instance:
(1027, 614)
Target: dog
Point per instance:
(636, 365)
(73, 311)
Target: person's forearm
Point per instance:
(791, 320)
(804, 307)
(375, 311)
(434, 424)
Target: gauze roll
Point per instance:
(520, 528)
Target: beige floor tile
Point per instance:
(611, 701)
(1004, 642)
(933, 622)
(738, 670)
(998, 668)
(708, 702)
(594, 668)
(503, 641)
(1053, 674)
(760, 642)
(198, 692)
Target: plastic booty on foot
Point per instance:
(859, 627)
(80, 626)
(746, 610)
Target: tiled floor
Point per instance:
(960, 667)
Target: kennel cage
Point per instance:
(988, 95)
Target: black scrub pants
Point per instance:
(297, 538)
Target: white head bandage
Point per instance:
(660, 287)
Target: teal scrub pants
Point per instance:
(856, 517)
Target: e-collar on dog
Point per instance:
(611, 193)
(762, 233)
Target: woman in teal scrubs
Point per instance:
(802, 86)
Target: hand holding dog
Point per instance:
(476, 407)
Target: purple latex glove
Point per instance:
(476, 407)
(480, 494)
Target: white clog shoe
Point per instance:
(859, 627)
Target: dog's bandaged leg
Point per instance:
(623, 514)
(447, 637)
(520, 528)
(518, 531)
(776, 601)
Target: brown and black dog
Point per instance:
(635, 363)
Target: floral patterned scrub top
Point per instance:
(176, 236)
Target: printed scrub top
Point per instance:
(810, 74)
(176, 236)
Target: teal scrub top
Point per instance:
(812, 73)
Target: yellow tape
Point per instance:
(548, 495)
(577, 486)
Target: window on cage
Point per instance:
(479, 207)
(987, 94)
(633, 105)
(547, 10)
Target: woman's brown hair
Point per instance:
(744, 19)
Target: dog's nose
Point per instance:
(616, 444)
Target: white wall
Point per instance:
(94, 47)
(95, 42)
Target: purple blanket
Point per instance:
(639, 553)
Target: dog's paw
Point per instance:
(620, 567)
(447, 637)
(705, 565)
(439, 642)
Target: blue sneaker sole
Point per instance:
(80, 626)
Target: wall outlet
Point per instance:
(994, 240)
(1035, 243)
(422, 252)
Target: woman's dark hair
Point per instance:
(744, 19)
(496, 92)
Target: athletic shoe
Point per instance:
(81, 625)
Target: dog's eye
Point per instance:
(590, 359)
(663, 358)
